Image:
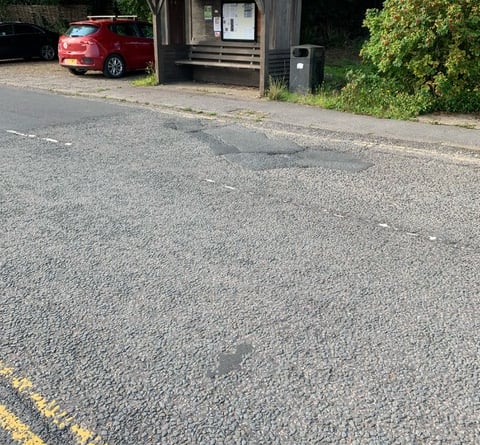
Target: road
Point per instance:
(170, 278)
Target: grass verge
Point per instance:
(352, 87)
(150, 79)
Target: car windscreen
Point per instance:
(124, 29)
(21, 28)
(146, 30)
(81, 30)
(6, 29)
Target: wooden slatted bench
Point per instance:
(238, 55)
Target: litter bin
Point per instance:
(306, 68)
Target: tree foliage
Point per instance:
(334, 22)
(139, 8)
(428, 45)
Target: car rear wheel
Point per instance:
(77, 71)
(114, 66)
(47, 52)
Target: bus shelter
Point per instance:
(224, 41)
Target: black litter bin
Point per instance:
(306, 68)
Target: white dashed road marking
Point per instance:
(383, 225)
(32, 136)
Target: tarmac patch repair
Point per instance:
(256, 151)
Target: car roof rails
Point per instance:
(111, 17)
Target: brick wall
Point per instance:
(45, 14)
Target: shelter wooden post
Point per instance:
(263, 81)
(281, 20)
(155, 8)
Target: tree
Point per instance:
(334, 22)
(139, 8)
(428, 45)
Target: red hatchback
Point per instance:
(112, 44)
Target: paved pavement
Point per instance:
(243, 103)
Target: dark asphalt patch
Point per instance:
(231, 362)
(305, 159)
(256, 151)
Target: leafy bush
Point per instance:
(368, 93)
(428, 48)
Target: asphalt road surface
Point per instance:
(179, 279)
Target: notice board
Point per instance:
(238, 21)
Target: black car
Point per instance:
(24, 41)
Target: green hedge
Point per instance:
(430, 47)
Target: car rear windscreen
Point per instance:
(81, 30)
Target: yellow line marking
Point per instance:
(18, 430)
(48, 409)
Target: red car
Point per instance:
(112, 44)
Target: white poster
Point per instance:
(238, 21)
(217, 24)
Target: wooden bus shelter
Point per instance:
(223, 41)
